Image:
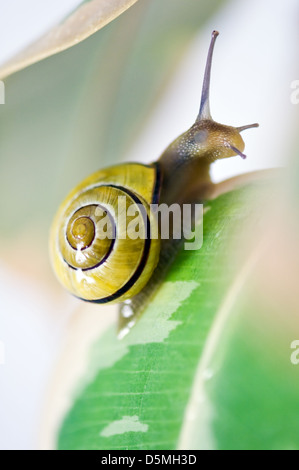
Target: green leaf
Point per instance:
(88, 18)
(142, 392)
(247, 397)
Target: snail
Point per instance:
(114, 268)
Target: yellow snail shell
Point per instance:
(116, 267)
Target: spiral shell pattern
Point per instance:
(94, 250)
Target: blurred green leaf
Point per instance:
(85, 20)
(249, 397)
(80, 110)
(136, 391)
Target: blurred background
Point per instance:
(123, 94)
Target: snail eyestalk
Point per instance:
(204, 110)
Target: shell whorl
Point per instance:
(93, 252)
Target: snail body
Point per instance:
(117, 266)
